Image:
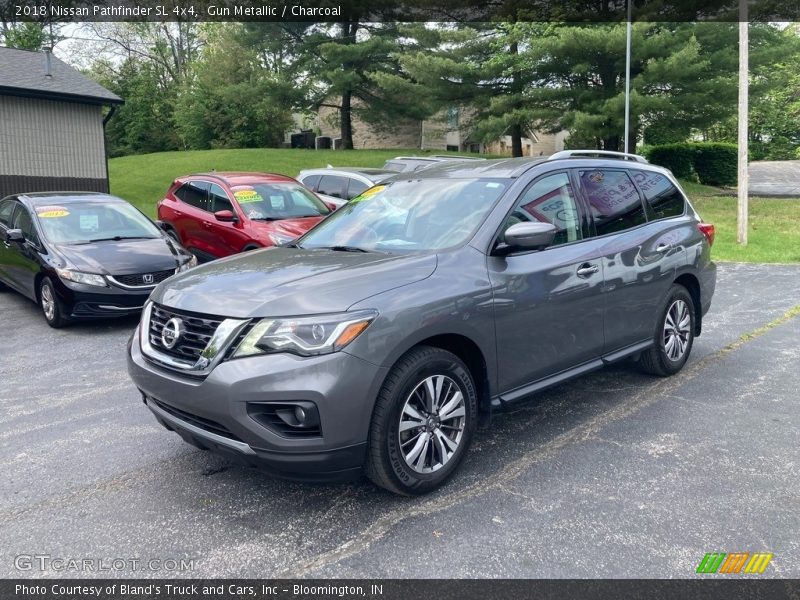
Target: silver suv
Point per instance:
(377, 340)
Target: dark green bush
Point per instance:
(711, 163)
(715, 163)
(678, 158)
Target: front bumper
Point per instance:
(87, 302)
(214, 412)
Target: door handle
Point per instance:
(663, 247)
(586, 269)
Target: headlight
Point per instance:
(84, 278)
(192, 262)
(279, 238)
(306, 336)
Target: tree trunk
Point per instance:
(611, 143)
(346, 120)
(516, 141)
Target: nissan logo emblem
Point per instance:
(171, 333)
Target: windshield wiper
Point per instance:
(118, 238)
(343, 248)
(265, 218)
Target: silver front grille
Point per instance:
(194, 339)
(196, 343)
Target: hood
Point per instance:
(125, 257)
(294, 228)
(290, 281)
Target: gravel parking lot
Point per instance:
(616, 474)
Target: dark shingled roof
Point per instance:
(22, 73)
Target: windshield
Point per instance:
(76, 222)
(273, 201)
(428, 214)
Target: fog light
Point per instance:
(300, 415)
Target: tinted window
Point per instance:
(194, 193)
(550, 200)
(613, 199)
(218, 199)
(23, 221)
(6, 208)
(663, 197)
(332, 186)
(311, 181)
(354, 188)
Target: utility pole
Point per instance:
(741, 208)
(628, 32)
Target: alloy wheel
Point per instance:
(432, 423)
(677, 330)
(48, 303)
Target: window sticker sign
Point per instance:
(51, 212)
(89, 222)
(245, 196)
(366, 195)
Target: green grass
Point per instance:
(774, 234)
(143, 179)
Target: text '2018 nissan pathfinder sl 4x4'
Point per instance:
(374, 341)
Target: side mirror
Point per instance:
(225, 216)
(528, 236)
(331, 206)
(15, 235)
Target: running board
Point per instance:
(525, 391)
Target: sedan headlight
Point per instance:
(279, 238)
(306, 336)
(192, 262)
(84, 278)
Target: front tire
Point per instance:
(674, 335)
(52, 308)
(423, 422)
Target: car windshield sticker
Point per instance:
(245, 196)
(277, 202)
(254, 213)
(368, 194)
(90, 222)
(51, 212)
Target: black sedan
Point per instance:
(83, 255)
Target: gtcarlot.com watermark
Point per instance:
(60, 564)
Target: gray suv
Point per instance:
(377, 340)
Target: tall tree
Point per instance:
(683, 78)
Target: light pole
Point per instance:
(741, 205)
(628, 32)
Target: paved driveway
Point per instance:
(613, 475)
(775, 178)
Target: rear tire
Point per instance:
(423, 422)
(52, 308)
(674, 335)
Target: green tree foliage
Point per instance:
(144, 123)
(25, 36)
(683, 78)
(349, 62)
(478, 66)
(230, 100)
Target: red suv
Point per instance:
(218, 214)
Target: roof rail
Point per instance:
(600, 153)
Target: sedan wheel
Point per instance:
(51, 306)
